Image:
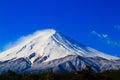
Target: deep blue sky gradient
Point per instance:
(74, 18)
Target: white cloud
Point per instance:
(19, 41)
(105, 35)
(14, 43)
(106, 38)
(99, 35)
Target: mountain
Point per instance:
(48, 50)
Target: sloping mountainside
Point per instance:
(48, 50)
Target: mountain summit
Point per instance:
(48, 50)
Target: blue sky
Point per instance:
(95, 23)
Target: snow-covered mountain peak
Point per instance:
(48, 45)
(49, 50)
(44, 33)
(39, 35)
(29, 44)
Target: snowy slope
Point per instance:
(51, 44)
(50, 50)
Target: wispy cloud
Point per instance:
(106, 38)
(117, 27)
(99, 35)
(21, 40)
(15, 43)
